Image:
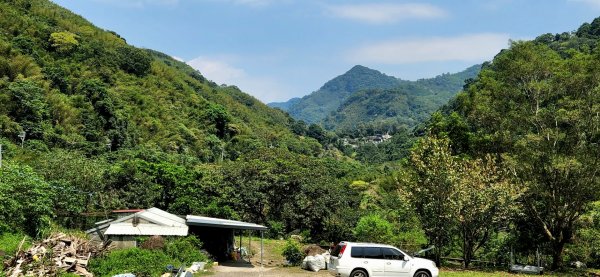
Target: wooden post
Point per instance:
(249, 241)
(261, 248)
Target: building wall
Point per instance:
(123, 241)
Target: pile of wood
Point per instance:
(58, 253)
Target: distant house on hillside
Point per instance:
(379, 138)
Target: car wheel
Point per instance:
(422, 273)
(359, 273)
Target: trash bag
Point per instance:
(314, 263)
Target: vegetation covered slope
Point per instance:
(364, 96)
(69, 84)
(316, 106)
(406, 105)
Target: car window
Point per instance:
(336, 250)
(392, 254)
(356, 252)
(372, 253)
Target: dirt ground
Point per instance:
(255, 271)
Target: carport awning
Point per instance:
(194, 220)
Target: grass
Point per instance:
(272, 249)
(446, 272)
(9, 243)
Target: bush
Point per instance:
(276, 229)
(292, 252)
(145, 262)
(185, 250)
(141, 262)
(373, 228)
(25, 200)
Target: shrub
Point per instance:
(141, 262)
(373, 228)
(276, 229)
(185, 250)
(145, 262)
(292, 252)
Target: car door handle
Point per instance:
(388, 263)
(366, 262)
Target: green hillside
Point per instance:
(69, 84)
(404, 106)
(314, 107)
(363, 96)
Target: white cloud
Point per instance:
(217, 70)
(471, 48)
(593, 3)
(221, 71)
(177, 58)
(379, 13)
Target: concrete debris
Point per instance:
(58, 253)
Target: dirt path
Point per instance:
(252, 271)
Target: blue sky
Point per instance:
(278, 49)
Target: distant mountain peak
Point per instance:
(359, 77)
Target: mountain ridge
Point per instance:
(329, 104)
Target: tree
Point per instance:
(25, 200)
(485, 202)
(429, 183)
(63, 42)
(373, 228)
(133, 60)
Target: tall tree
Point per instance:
(429, 183)
(541, 111)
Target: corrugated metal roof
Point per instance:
(126, 228)
(222, 223)
(154, 215)
(161, 217)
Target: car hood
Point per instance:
(423, 261)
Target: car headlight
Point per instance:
(433, 264)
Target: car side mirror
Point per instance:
(405, 258)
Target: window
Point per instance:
(336, 250)
(372, 253)
(356, 252)
(392, 254)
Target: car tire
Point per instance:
(422, 273)
(359, 273)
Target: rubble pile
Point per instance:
(58, 253)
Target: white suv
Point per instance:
(355, 259)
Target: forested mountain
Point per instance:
(404, 106)
(364, 96)
(316, 106)
(285, 105)
(69, 84)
